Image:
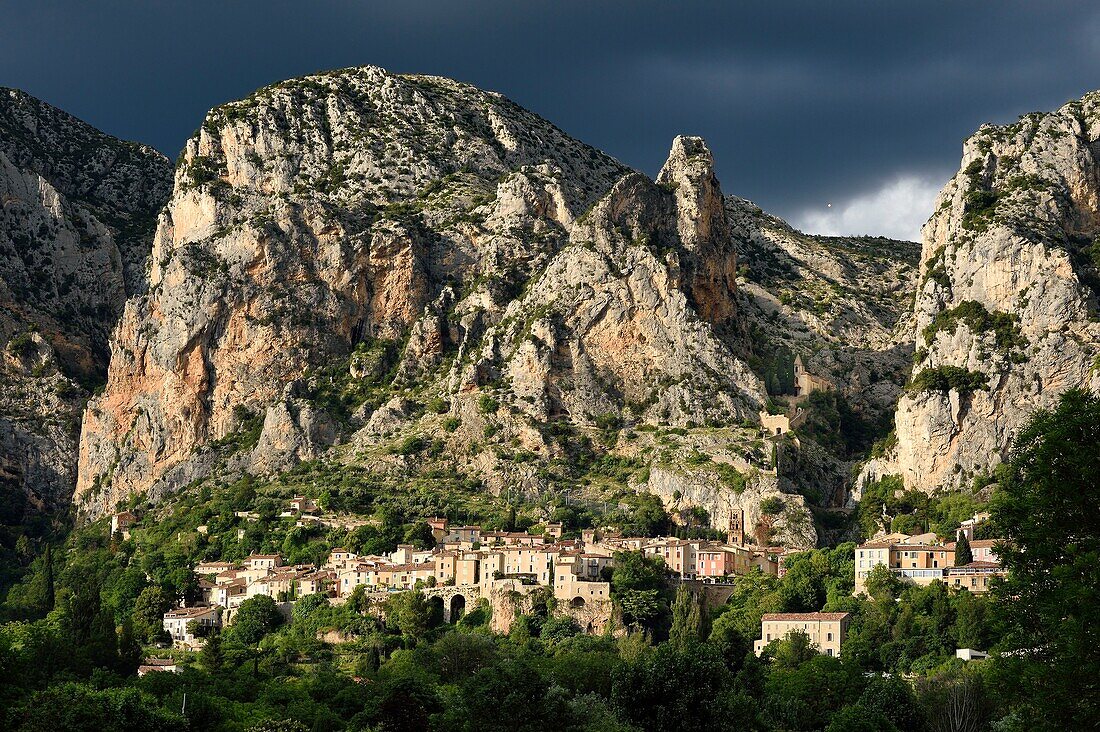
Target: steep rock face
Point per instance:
(76, 213)
(627, 320)
(1005, 317)
(77, 219)
(342, 249)
(317, 214)
(839, 302)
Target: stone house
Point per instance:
(975, 577)
(918, 563)
(301, 504)
(679, 554)
(263, 561)
(176, 623)
(806, 383)
(153, 665)
(577, 578)
(826, 631)
(714, 560)
(121, 523)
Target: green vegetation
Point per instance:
(771, 506)
(339, 393)
(21, 344)
(1004, 326)
(86, 609)
(949, 378)
(1047, 506)
(978, 207)
(912, 511)
(834, 424)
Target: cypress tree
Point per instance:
(963, 554)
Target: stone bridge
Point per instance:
(713, 594)
(457, 599)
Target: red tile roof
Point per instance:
(807, 617)
(975, 565)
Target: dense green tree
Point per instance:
(1048, 506)
(894, 700)
(457, 655)
(859, 719)
(803, 690)
(211, 656)
(963, 555)
(674, 688)
(411, 613)
(406, 704)
(148, 614)
(687, 618)
(512, 695)
(638, 586)
(730, 642)
(650, 517)
(129, 650)
(557, 629)
(256, 617)
(80, 708)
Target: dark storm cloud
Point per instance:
(802, 102)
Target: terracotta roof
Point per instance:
(975, 565)
(158, 662)
(924, 547)
(808, 617)
(984, 543)
(188, 612)
(906, 547)
(407, 567)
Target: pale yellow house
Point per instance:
(679, 554)
(826, 631)
(976, 577)
(578, 578)
(913, 561)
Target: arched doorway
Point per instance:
(458, 608)
(577, 602)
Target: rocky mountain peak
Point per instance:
(689, 173)
(1005, 318)
(77, 210)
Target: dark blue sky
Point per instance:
(803, 103)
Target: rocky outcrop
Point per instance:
(1005, 318)
(76, 213)
(357, 266)
(841, 303)
(789, 523)
(316, 215)
(386, 242)
(627, 320)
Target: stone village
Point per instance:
(469, 566)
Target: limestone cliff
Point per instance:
(76, 220)
(355, 263)
(1005, 317)
(839, 302)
